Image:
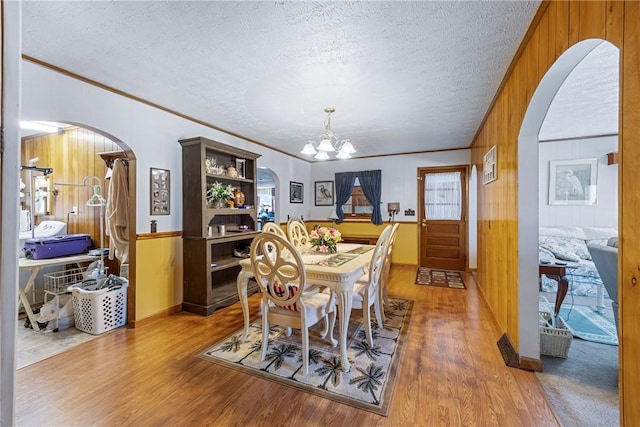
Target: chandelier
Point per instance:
(329, 142)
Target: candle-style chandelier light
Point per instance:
(329, 142)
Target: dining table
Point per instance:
(338, 272)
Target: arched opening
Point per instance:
(80, 157)
(268, 197)
(473, 219)
(541, 119)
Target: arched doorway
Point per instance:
(89, 151)
(268, 196)
(538, 125)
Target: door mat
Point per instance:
(374, 370)
(442, 278)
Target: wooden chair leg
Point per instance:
(366, 317)
(265, 328)
(305, 348)
(379, 310)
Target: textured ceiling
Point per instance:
(587, 102)
(402, 76)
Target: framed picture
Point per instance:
(324, 193)
(160, 192)
(490, 166)
(240, 167)
(573, 182)
(295, 192)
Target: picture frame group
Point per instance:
(160, 191)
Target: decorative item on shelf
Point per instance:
(218, 195)
(324, 239)
(230, 204)
(210, 164)
(216, 170)
(232, 172)
(238, 197)
(241, 168)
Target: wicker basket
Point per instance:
(555, 338)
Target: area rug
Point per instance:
(374, 370)
(586, 323)
(442, 278)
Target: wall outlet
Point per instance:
(74, 210)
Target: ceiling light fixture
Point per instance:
(45, 127)
(329, 142)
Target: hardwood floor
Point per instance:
(451, 373)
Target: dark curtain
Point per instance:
(371, 184)
(344, 187)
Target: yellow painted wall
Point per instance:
(158, 275)
(405, 250)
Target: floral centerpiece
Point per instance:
(219, 194)
(324, 239)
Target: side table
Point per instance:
(559, 274)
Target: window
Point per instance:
(443, 196)
(357, 205)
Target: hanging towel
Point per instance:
(117, 215)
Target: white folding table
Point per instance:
(35, 265)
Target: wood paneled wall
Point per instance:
(558, 26)
(72, 155)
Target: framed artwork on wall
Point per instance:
(160, 192)
(573, 182)
(296, 192)
(490, 166)
(324, 193)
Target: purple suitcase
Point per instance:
(53, 247)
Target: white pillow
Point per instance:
(560, 252)
(577, 247)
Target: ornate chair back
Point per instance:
(271, 227)
(298, 235)
(280, 273)
(366, 290)
(387, 267)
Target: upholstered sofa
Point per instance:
(570, 244)
(605, 259)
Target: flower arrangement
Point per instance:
(324, 239)
(219, 193)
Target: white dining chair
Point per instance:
(367, 288)
(382, 294)
(271, 227)
(298, 235)
(280, 273)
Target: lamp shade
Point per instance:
(308, 149)
(348, 147)
(322, 155)
(325, 145)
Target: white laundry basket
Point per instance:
(100, 311)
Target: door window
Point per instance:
(443, 196)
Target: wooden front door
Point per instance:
(442, 213)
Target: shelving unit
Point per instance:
(210, 268)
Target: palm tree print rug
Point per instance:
(368, 385)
